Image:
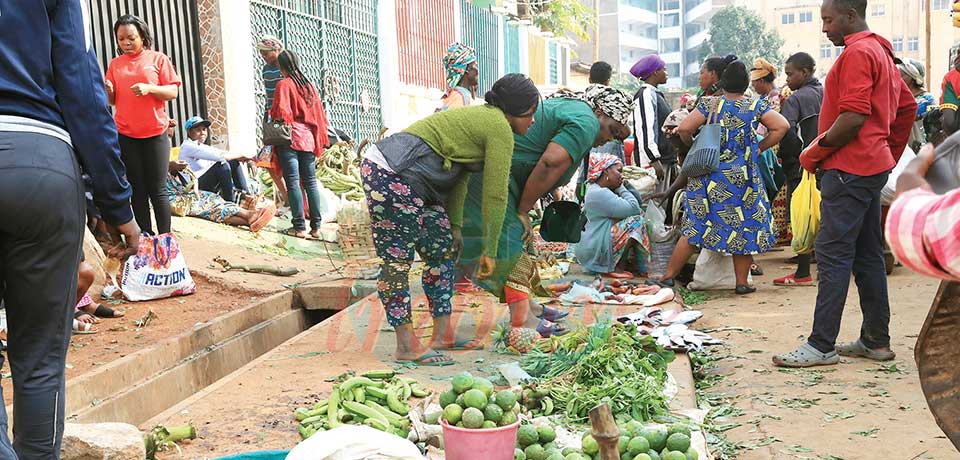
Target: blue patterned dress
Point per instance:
(727, 211)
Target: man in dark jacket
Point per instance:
(54, 119)
(802, 111)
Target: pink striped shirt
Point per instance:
(923, 230)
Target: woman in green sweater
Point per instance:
(567, 126)
(416, 183)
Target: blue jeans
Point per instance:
(299, 165)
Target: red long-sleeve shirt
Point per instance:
(864, 80)
(290, 106)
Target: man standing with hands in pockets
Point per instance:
(865, 122)
(54, 119)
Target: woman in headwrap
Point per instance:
(416, 183)
(567, 126)
(762, 77)
(270, 48)
(727, 210)
(710, 73)
(913, 73)
(614, 220)
(462, 74)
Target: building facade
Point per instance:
(631, 29)
(903, 22)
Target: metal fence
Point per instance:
(336, 42)
(425, 28)
(553, 62)
(479, 30)
(511, 47)
(175, 31)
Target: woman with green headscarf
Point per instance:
(566, 126)
(462, 76)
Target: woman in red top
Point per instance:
(298, 104)
(139, 83)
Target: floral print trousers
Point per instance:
(402, 223)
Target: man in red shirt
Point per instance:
(865, 122)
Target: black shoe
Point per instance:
(743, 289)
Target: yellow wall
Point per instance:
(537, 47)
(902, 19)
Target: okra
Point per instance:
(358, 395)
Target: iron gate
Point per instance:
(479, 30)
(336, 41)
(175, 33)
(511, 47)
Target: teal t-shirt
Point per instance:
(568, 122)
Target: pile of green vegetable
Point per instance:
(471, 403)
(377, 399)
(339, 171)
(604, 363)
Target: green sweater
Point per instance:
(470, 135)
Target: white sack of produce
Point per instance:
(889, 191)
(714, 271)
(329, 205)
(350, 442)
(642, 179)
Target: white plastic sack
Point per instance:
(714, 271)
(157, 271)
(890, 190)
(656, 226)
(351, 442)
(329, 205)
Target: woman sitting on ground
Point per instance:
(209, 205)
(615, 221)
(87, 312)
(727, 210)
(217, 171)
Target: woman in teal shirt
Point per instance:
(566, 126)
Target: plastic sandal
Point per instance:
(424, 360)
(553, 315)
(859, 350)
(83, 328)
(263, 218)
(756, 270)
(744, 289)
(792, 280)
(806, 356)
(548, 329)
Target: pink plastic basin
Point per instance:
(487, 444)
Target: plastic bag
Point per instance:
(714, 271)
(805, 214)
(329, 205)
(663, 240)
(351, 442)
(656, 224)
(157, 271)
(889, 190)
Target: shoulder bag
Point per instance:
(564, 221)
(276, 132)
(704, 155)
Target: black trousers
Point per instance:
(147, 161)
(41, 231)
(850, 240)
(224, 179)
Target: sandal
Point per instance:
(83, 328)
(548, 329)
(756, 270)
(859, 350)
(806, 356)
(430, 358)
(743, 289)
(77, 315)
(315, 234)
(553, 315)
(107, 312)
(296, 233)
(466, 344)
(263, 217)
(792, 280)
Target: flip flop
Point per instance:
(806, 356)
(263, 218)
(859, 350)
(296, 233)
(553, 315)
(422, 360)
(83, 328)
(548, 329)
(460, 345)
(80, 314)
(106, 312)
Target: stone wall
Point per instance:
(211, 46)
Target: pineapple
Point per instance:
(516, 339)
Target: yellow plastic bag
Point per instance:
(805, 214)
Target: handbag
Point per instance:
(704, 155)
(276, 132)
(564, 221)
(183, 202)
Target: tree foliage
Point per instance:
(738, 30)
(563, 17)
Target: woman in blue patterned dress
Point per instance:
(727, 211)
